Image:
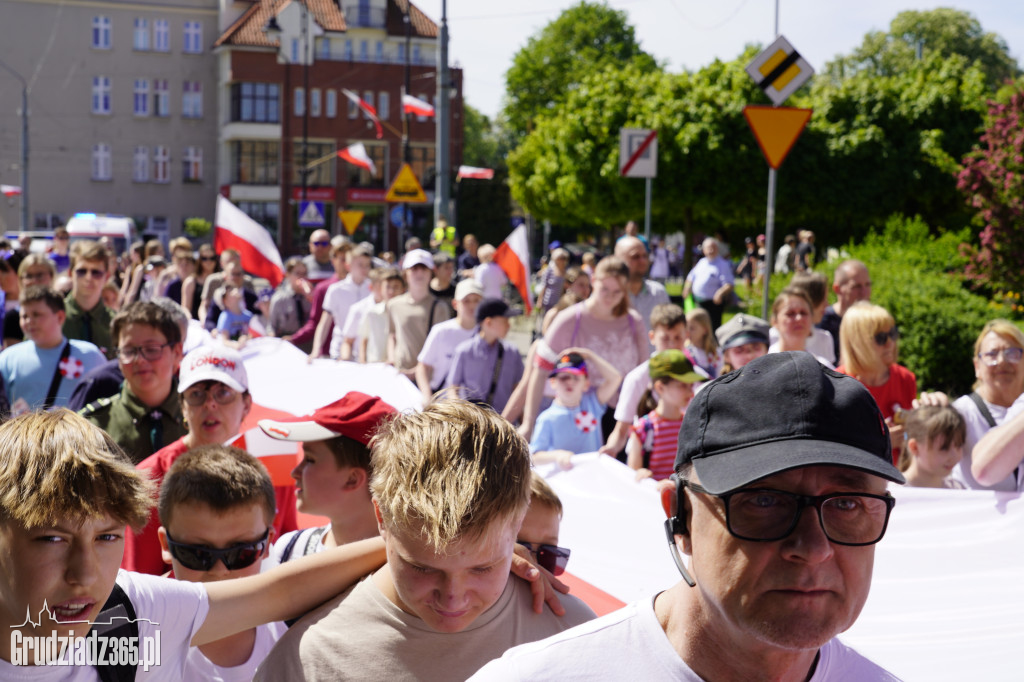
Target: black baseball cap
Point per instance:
(780, 412)
(493, 307)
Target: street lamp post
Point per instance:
(24, 145)
(443, 181)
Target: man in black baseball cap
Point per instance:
(781, 472)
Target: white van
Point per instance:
(118, 229)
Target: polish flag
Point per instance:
(356, 155)
(236, 230)
(513, 256)
(369, 110)
(10, 190)
(475, 173)
(415, 105)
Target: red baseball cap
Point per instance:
(355, 415)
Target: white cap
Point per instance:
(213, 363)
(467, 287)
(417, 257)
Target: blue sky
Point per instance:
(485, 34)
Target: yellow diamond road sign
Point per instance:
(406, 189)
(779, 70)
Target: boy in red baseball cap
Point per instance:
(332, 479)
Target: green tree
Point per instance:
(992, 180)
(585, 38)
(914, 35)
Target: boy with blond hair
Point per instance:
(217, 510)
(66, 494)
(450, 486)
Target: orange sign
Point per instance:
(776, 130)
(351, 220)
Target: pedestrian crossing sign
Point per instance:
(311, 214)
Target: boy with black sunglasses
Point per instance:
(216, 513)
(539, 532)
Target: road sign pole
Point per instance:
(769, 241)
(647, 210)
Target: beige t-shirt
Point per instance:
(410, 322)
(362, 635)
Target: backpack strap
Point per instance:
(983, 408)
(118, 606)
(51, 394)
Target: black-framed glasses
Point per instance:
(92, 272)
(549, 557)
(198, 394)
(882, 337)
(202, 558)
(766, 515)
(1011, 355)
(148, 353)
(208, 258)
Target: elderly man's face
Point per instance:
(320, 245)
(710, 249)
(636, 258)
(794, 593)
(857, 287)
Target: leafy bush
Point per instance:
(197, 227)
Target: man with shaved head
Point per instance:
(851, 283)
(711, 281)
(644, 293)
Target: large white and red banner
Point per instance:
(474, 173)
(948, 587)
(236, 230)
(357, 155)
(513, 257)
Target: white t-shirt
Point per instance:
(354, 319)
(633, 387)
(820, 343)
(977, 427)
(339, 298)
(439, 348)
(374, 328)
(175, 608)
(629, 644)
(199, 667)
(491, 279)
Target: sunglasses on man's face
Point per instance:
(202, 558)
(881, 338)
(549, 557)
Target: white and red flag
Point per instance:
(415, 105)
(357, 156)
(513, 257)
(475, 173)
(236, 230)
(10, 190)
(367, 109)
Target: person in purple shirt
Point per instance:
(486, 368)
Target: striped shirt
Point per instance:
(659, 437)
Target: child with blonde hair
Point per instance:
(701, 347)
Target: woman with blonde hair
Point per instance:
(1000, 381)
(868, 351)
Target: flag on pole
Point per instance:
(236, 230)
(10, 190)
(357, 156)
(513, 257)
(415, 105)
(475, 173)
(367, 109)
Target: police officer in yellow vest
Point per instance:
(444, 238)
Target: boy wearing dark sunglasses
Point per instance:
(88, 318)
(217, 511)
(539, 532)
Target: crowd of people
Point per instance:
(439, 506)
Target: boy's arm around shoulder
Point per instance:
(286, 591)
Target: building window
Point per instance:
(380, 51)
(331, 103)
(161, 164)
(360, 177)
(353, 108)
(348, 50)
(140, 100)
(415, 54)
(193, 164)
(101, 162)
(364, 51)
(299, 102)
(192, 99)
(324, 48)
(401, 53)
(319, 176)
(383, 106)
(254, 162)
(162, 35)
(263, 212)
(161, 98)
(255, 102)
(101, 33)
(101, 95)
(423, 164)
(140, 165)
(193, 38)
(314, 101)
(140, 37)
(368, 98)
